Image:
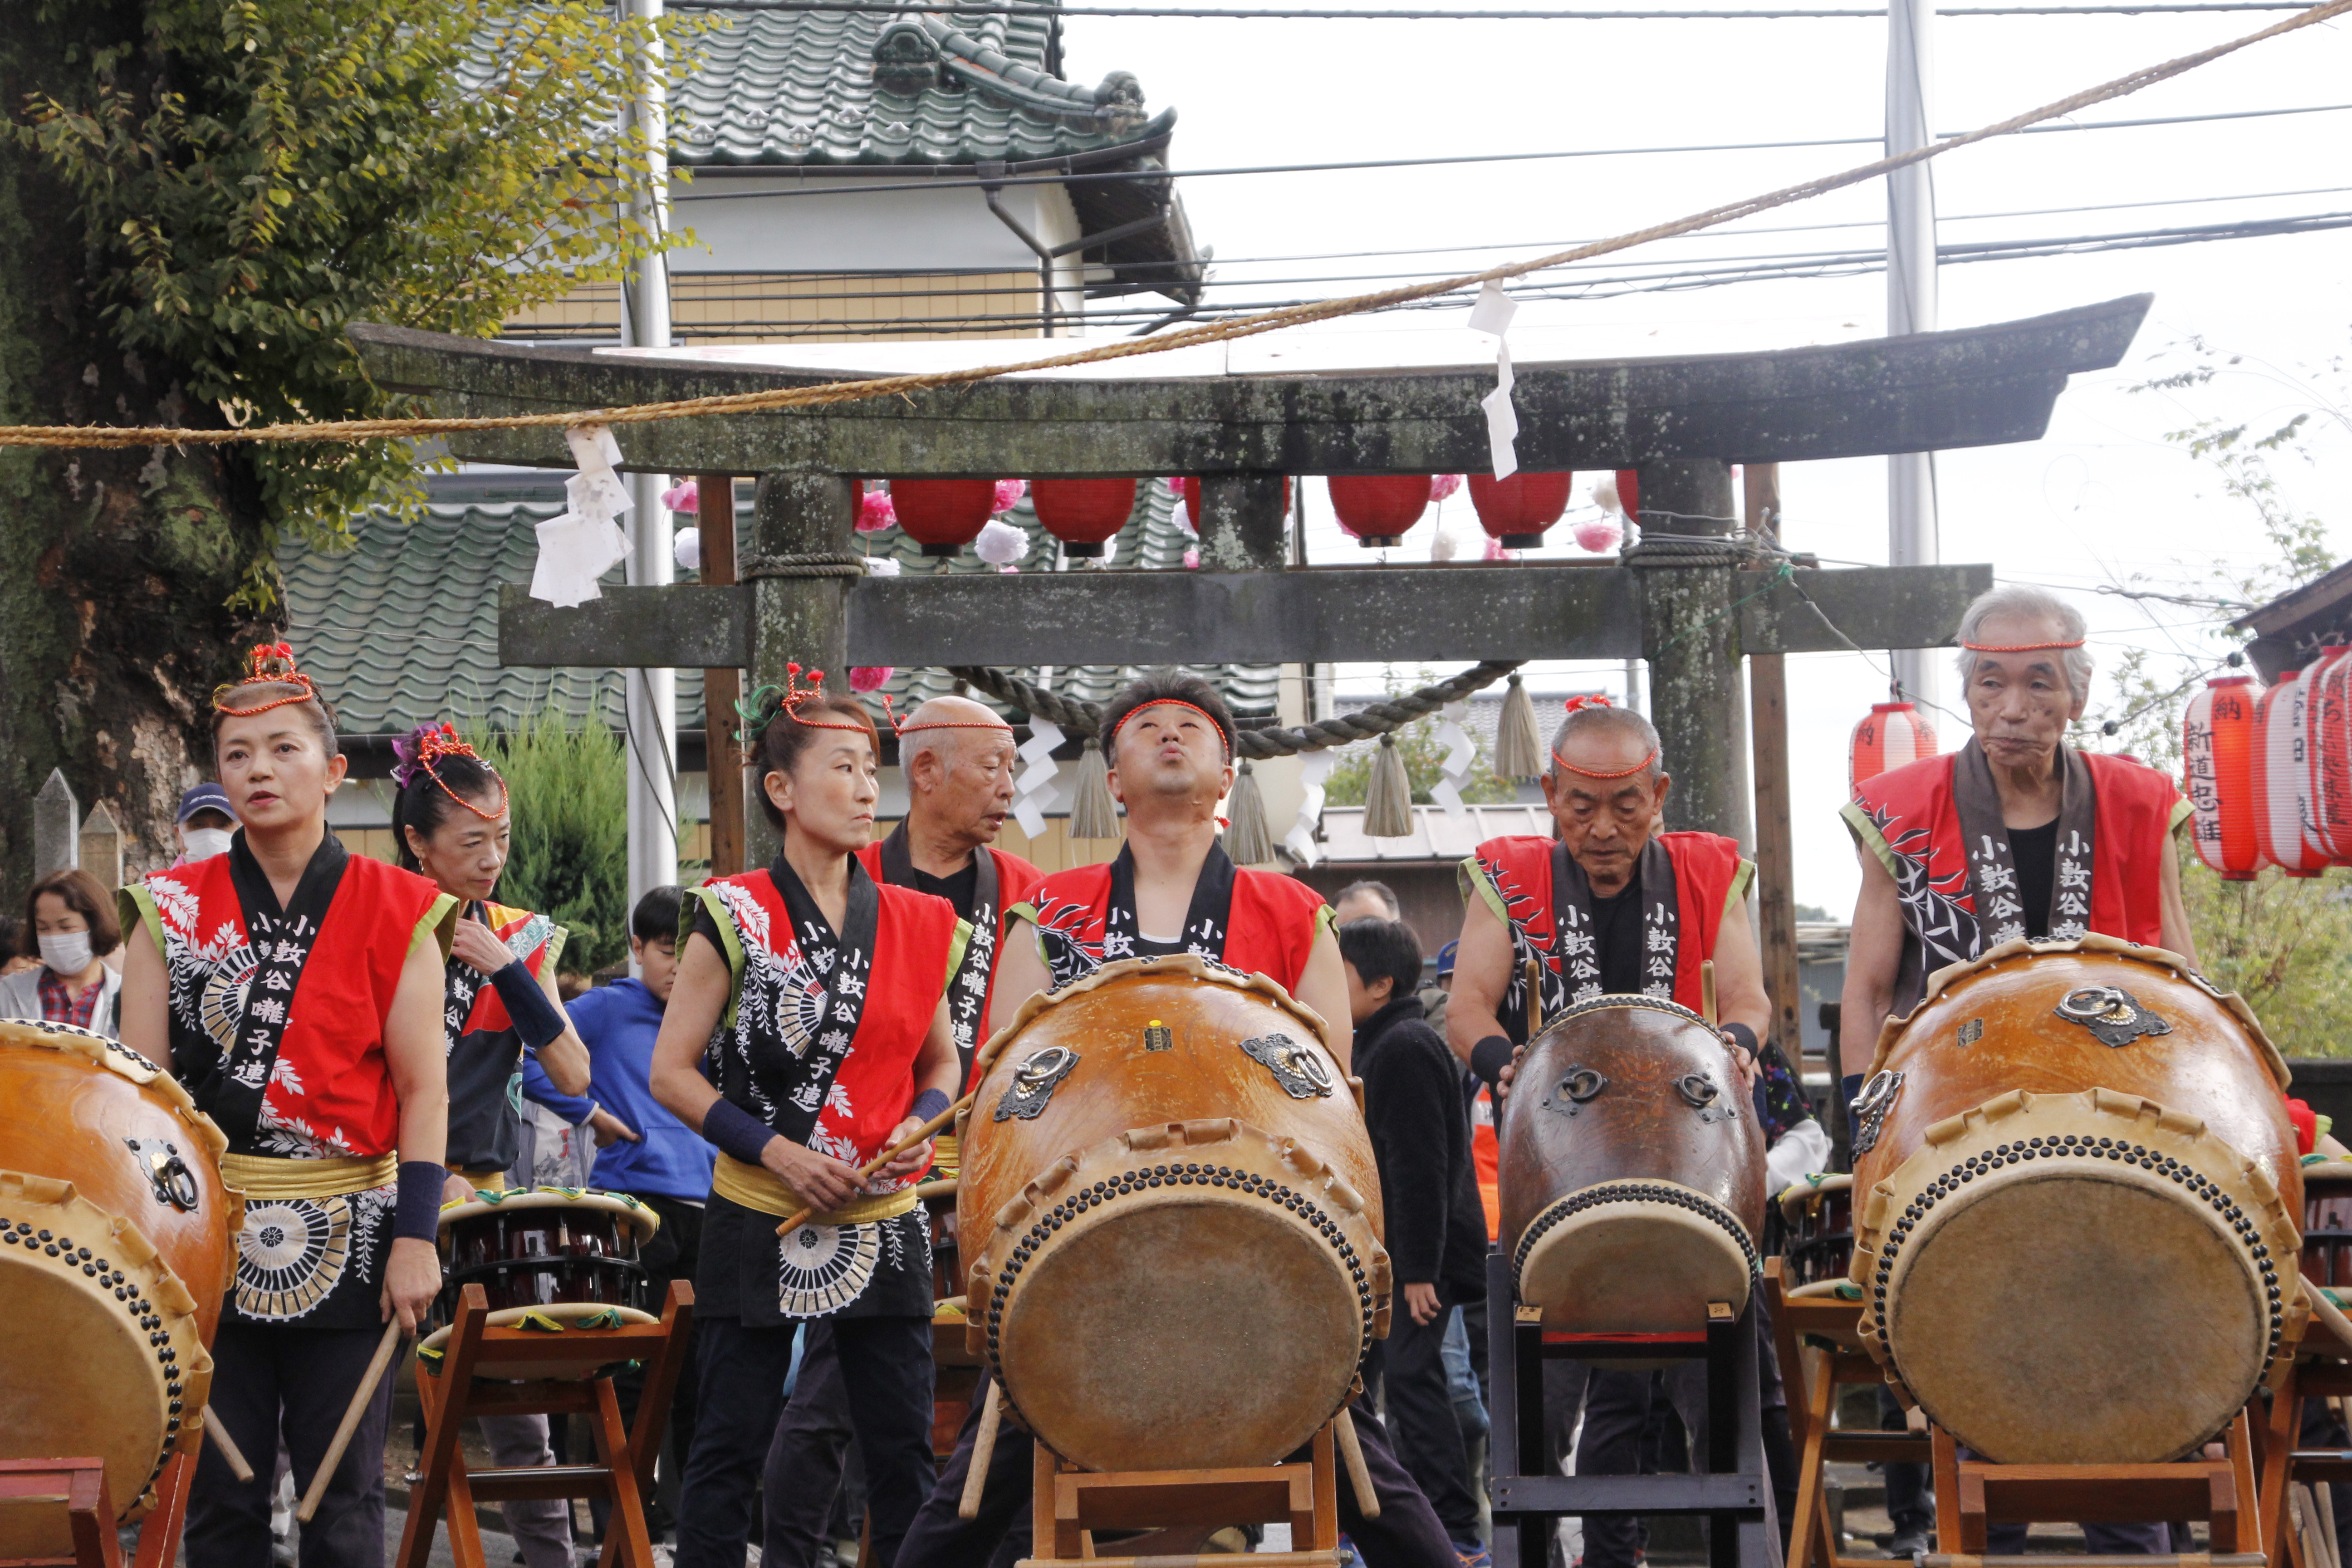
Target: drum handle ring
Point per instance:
(2095, 1001)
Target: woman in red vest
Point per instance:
(296, 990)
(817, 996)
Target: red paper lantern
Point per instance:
(1082, 513)
(1190, 487)
(1517, 510)
(944, 514)
(1378, 508)
(1629, 493)
(2216, 745)
(2282, 775)
(1894, 735)
(2327, 719)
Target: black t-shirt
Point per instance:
(1146, 947)
(1617, 939)
(2035, 850)
(959, 890)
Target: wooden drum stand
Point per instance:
(469, 1384)
(1733, 1493)
(1071, 1504)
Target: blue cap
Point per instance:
(203, 797)
(1445, 960)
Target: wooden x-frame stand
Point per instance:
(1071, 1504)
(1820, 1351)
(2322, 1369)
(77, 1489)
(469, 1384)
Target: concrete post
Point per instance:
(1697, 696)
(1911, 522)
(801, 523)
(1244, 524)
(57, 827)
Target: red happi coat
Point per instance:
(331, 1094)
(918, 941)
(1271, 930)
(1514, 874)
(536, 948)
(1016, 880)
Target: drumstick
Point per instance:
(1534, 973)
(1707, 991)
(2327, 1313)
(221, 1440)
(983, 1449)
(927, 1130)
(1351, 1454)
(360, 1402)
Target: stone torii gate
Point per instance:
(1678, 599)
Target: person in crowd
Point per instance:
(14, 960)
(820, 997)
(451, 822)
(644, 1150)
(204, 824)
(1169, 741)
(296, 989)
(1436, 1231)
(959, 760)
(70, 927)
(1611, 905)
(1365, 901)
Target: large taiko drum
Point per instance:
(116, 1244)
(1633, 1172)
(2077, 1196)
(1173, 1216)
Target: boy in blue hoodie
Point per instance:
(641, 1148)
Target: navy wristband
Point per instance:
(538, 1019)
(1743, 1036)
(736, 1131)
(417, 1215)
(928, 1104)
(1488, 1057)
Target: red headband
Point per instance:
(268, 662)
(1596, 773)
(2018, 646)
(1588, 699)
(1111, 745)
(788, 698)
(446, 742)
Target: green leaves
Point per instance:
(262, 172)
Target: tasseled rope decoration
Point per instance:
(1247, 841)
(1387, 798)
(1518, 752)
(1092, 813)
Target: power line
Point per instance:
(867, 7)
(915, 181)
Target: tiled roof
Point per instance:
(801, 87)
(403, 627)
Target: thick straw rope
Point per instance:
(89, 435)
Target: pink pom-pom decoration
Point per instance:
(687, 497)
(869, 676)
(1175, 485)
(1192, 560)
(1444, 485)
(1602, 533)
(874, 512)
(1009, 493)
(1495, 551)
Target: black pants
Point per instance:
(671, 1253)
(1618, 1405)
(299, 1381)
(806, 1460)
(886, 1364)
(1406, 1534)
(1908, 1506)
(1411, 1364)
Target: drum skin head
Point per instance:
(1633, 1267)
(1987, 1330)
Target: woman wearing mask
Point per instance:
(498, 1003)
(296, 990)
(71, 928)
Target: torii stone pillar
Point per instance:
(1691, 638)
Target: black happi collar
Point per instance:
(1207, 922)
(1992, 865)
(842, 963)
(281, 938)
(969, 990)
(1578, 958)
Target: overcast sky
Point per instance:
(2102, 498)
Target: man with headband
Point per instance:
(1169, 743)
(958, 759)
(1610, 906)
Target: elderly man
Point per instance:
(2017, 834)
(957, 758)
(1612, 906)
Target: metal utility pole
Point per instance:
(651, 693)
(1911, 538)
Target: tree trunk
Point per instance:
(116, 567)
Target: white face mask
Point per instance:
(66, 952)
(203, 843)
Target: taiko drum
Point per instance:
(1632, 1171)
(2078, 1199)
(116, 1239)
(1173, 1216)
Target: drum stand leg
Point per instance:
(159, 1533)
(1068, 1505)
(1734, 1493)
(80, 1486)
